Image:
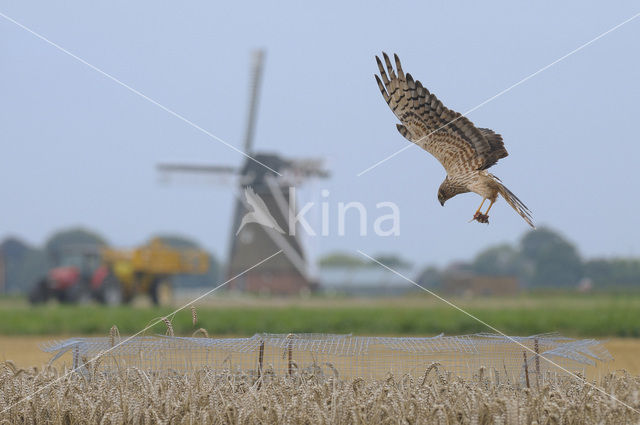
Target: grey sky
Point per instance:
(77, 149)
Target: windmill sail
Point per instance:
(258, 60)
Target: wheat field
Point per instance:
(132, 396)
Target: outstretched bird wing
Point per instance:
(445, 134)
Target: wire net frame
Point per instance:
(344, 356)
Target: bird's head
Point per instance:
(446, 191)
(441, 197)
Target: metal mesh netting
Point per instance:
(344, 356)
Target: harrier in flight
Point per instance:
(465, 151)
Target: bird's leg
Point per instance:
(478, 215)
(486, 213)
(478, 210)
(483, 218)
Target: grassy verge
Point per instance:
(598, 315)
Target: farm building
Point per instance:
(469, 284)
(364, 281)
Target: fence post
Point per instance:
(260, 362)
(290, 354)
(526, 368)
(537, 349)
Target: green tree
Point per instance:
(176, 241)
(33, 268)
(613, 272)
(22, 264)
(499, 260)
(392, 260)
(73, 238)
(553, 260)
(341, 259)
(430, 277)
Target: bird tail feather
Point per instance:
(515, 203)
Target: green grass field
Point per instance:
(569, 314)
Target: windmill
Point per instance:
(269, 176)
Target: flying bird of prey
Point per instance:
(464, 150)
(260, 213)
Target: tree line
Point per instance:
(542, 258)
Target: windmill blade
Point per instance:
(309, 167)
(256, 78)
(190, 168)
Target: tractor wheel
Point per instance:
(40, 292)
(162, 292)
(110, 292)
(77, 294)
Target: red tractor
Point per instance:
(78, 277)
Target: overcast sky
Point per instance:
(78, 149)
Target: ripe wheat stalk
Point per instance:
(133, 396)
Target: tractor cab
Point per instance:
(70, 279)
